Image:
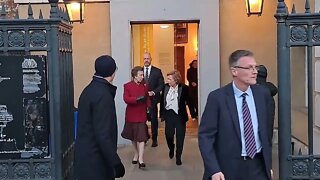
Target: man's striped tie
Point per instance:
(250, 141)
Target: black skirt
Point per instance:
(135, 131)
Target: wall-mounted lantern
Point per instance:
(254, 7)
(75, 10)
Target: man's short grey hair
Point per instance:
(236, 55)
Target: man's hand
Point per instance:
(218, 176)
(119, 170)
(194, 84)
(271, 173)
(151, 93)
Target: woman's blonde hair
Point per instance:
(176, 76)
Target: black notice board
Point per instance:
(23, 107)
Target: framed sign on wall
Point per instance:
(181, 33)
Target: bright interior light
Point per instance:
(75, 6)
(254, 2)
(195, 43)
(164, 26)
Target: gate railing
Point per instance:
(52, 38)
(295, 29)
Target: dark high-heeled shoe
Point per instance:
(142, 165)
(134, 162)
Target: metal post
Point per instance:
(284, 85)
(54, 95)
(310, 92)
(310, 99)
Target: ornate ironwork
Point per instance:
(38, 38)
(316, 33)
(21, 171)
(4, 171)
(299, 33)
(21, 37)
(1, 38)
(300, 167)
(295, 29)
(43, 170)
(16, 39)
(317, 167)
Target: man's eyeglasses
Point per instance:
(251, 68)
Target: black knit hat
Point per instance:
(262, 71)
(105, 66)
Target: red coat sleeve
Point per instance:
(127, 97)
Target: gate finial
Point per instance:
(30, 12)
(282, 7)
(293, 9)
(40, 15)
(54, 9)
(65, 15)
(307, 7)
(59, 12)
(3, 11)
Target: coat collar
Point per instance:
(101, 80)
(166, 90)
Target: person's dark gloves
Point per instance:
(141, 99)
(119, 170)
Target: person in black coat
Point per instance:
(173, 111)
(154, 79)
(192, 77)
(96, 143)
(262, 80)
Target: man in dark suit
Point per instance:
(234, 134)
(96, 143)
(154, 79)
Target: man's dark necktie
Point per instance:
(249, 139)
(146, 77)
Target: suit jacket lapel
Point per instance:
(179, 92)
(165, 92)
(259, 109)
(150, 72)
(231, 102)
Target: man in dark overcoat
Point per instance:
(96, 143)
(154, 79)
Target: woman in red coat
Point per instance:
(135, 129)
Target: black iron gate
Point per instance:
(296, 30)
(43, 50)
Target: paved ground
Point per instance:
(160, 167)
